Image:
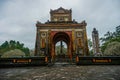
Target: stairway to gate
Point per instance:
(62, 60)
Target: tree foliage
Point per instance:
(89, 43)
(90, 47)
(13, 53)
(113, 49)
(110, 37)
(11, 45)
(58, 48)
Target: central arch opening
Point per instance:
(61, 44)
(61, 50)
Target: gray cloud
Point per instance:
(18, 17)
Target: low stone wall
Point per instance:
(23, 61)
(104, 60)
(43, 61)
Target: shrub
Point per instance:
(13, 53)
(113, 49)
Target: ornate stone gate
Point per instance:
(61, 27)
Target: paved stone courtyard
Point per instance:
(70, 72)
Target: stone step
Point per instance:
(59, 64)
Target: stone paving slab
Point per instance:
(70, 72)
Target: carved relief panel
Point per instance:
(43, 37)
(79, 42)
(79, 37)
(78, 34)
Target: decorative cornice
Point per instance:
(57, 10)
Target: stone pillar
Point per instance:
(95, 41)
(49, 43)
(73, 42)
(52, 52)
(37, 46)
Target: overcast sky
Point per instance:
(18, 17)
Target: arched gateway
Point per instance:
(61, 36)
(61, 28)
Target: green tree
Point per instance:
(110, 37)
(26, 51)
(90, 47)
(89, 43)
(118, 31)
(11, 45)
(13, 53)
(58, 48)
(4, 47)
(112, 49)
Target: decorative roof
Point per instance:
(60, 10)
